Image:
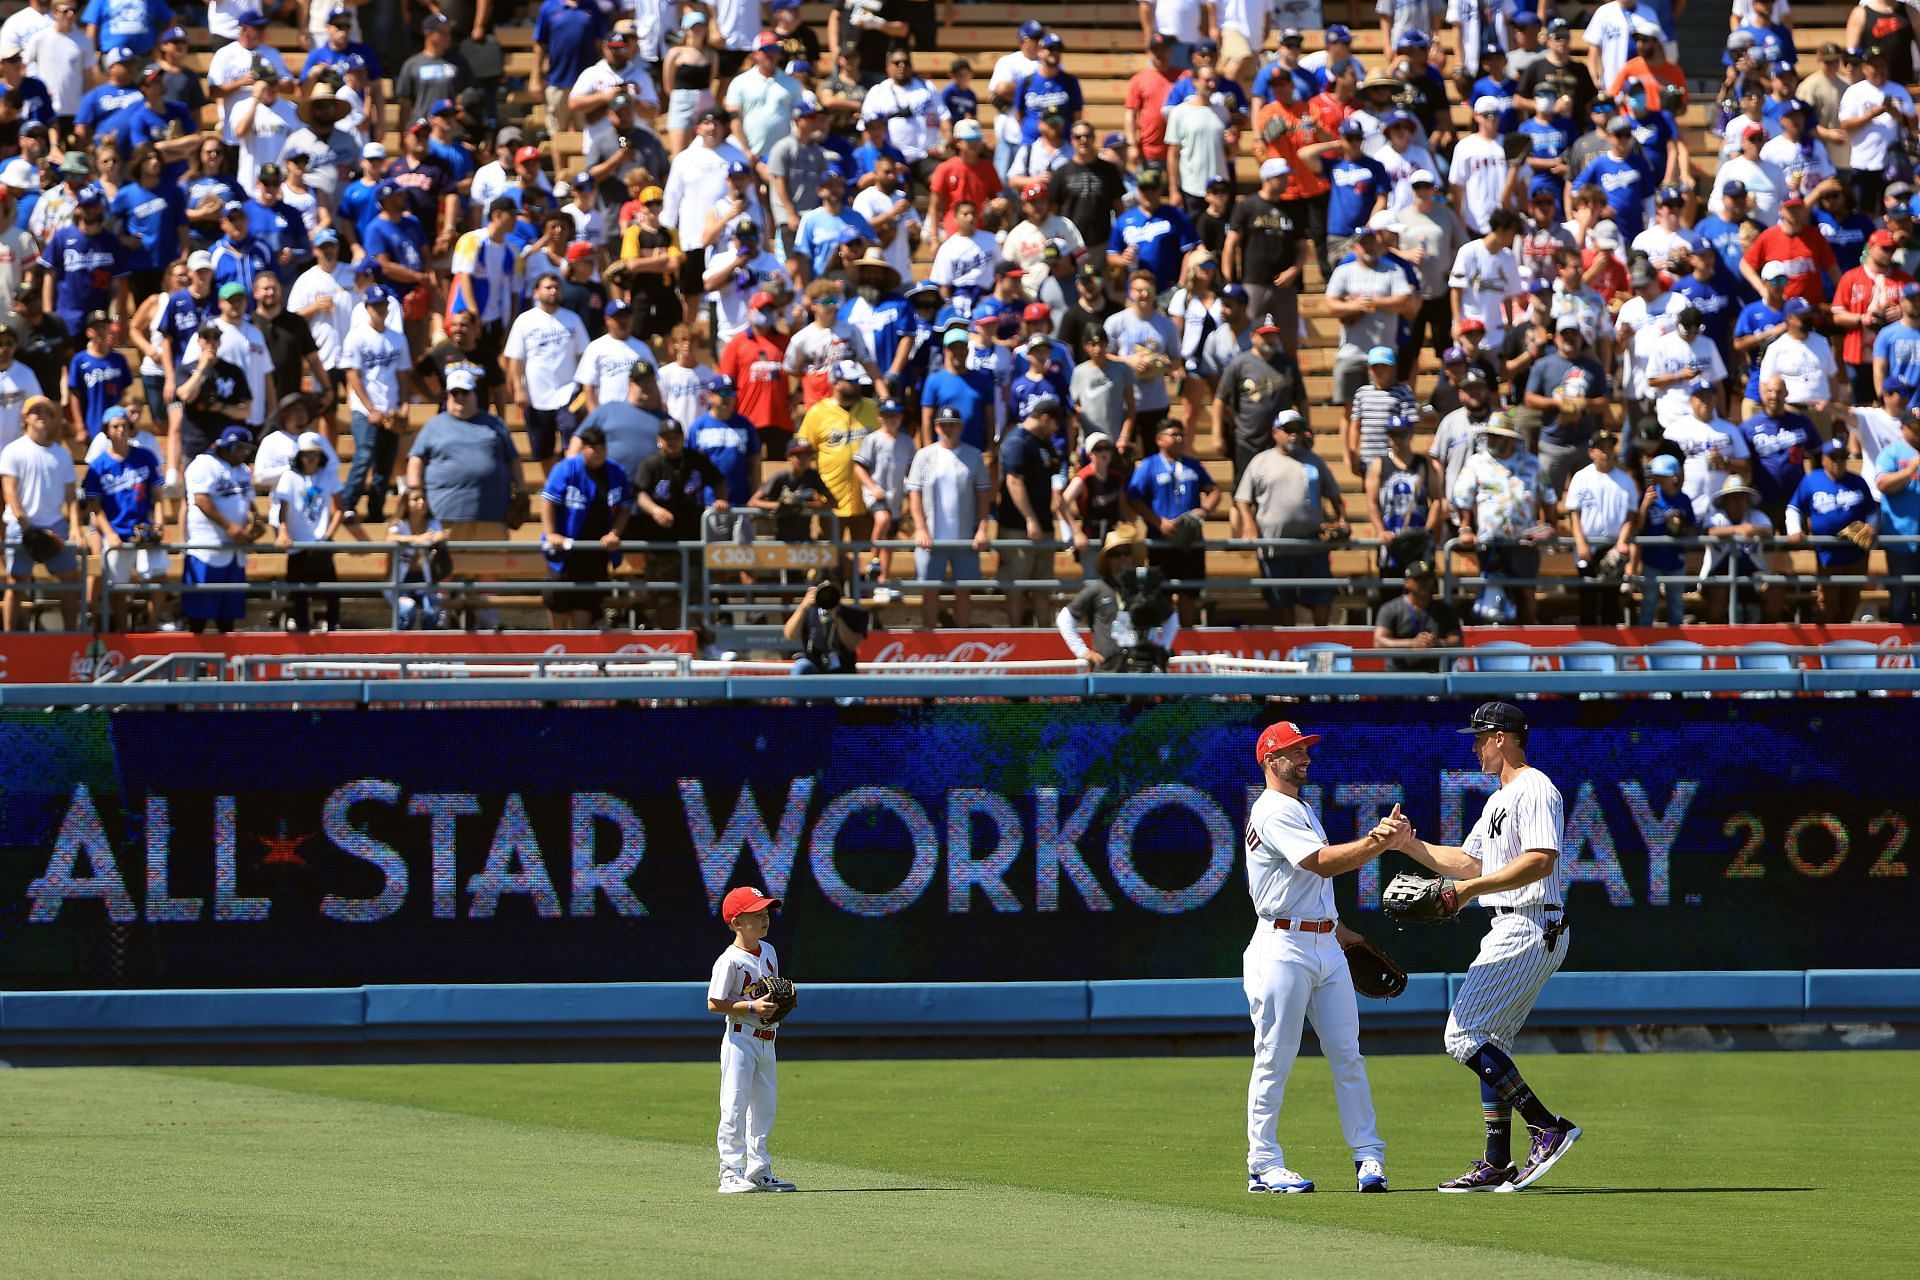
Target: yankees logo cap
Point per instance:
(742, 900)
(1278, 736)
(1496, 717)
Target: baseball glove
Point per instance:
(1860, 534)
(1612, 567)
(1153, 364)
(1375, 975)
(1411, 899)
(778, 990)
(1518, 147)
(1188, 531)
(41, 545)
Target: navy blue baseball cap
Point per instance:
(891, 405)
(1234, 292)
(232, 436)
(721, 386)
(1032, 29)
(1338, 34)
(1496, 717)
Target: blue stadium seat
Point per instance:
(1850, 655)
(1588, 655)
(1502, 655)
(1763, 657)
(1677, 655)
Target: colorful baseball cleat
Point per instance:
(767, 1180)
(1278, 1181)
(732, 1184)
(1548, 1146)
(1482, 1177)
(1369, 1175)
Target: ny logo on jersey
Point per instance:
(1494, 823)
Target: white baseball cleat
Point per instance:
(732, 1184)
(1278, 1182)
(1369, 1175)
(767, 1180)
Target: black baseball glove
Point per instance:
(1411, 899)
(1518, 147)
(778, 990)
(1374, 973)
(41, 545)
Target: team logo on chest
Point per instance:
(1495, 821)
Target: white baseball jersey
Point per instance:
(735, 971)
(1282, 832)
(1525, 814)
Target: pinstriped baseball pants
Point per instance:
(1503, 982)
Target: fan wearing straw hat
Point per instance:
(1127, 608)
(1734, 532)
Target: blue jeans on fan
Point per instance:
(1650, 594)
(374, 452)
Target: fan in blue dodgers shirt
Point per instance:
(121, 483)
(1827, 501)
(1624, 174)
(97, 377)
(583, 512)
(1785, 446)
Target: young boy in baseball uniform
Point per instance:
(749, 1082)
(1296, 966)
(1511, 862)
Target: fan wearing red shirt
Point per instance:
(1147, 101)
(755, 359)
(968, 174)
(1796, 242)
(1866, 298)
(1340, 99)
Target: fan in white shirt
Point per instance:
(1872, 111)
(1678, 361)
(323, 295)
(1481, 172)
(1803, 358)
(1485, 276)
(1711, 450)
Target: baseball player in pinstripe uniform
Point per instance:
(1511, 863)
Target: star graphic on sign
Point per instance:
(283, 850)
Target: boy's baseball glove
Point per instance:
(1411, 899)
(1860, 534)
(778, 990)
(1375, 975)
(41, 545)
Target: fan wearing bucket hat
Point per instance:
(1504, 503)
(1735, 528)
(1120, 642)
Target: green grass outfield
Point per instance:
(1710, 1164)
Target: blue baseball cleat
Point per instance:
(1278, 1181)
(1369, 1175)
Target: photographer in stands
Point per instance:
(1126, 606)
(828, 631)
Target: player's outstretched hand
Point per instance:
(1392, 829)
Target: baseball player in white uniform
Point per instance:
(1511, 863)
(749, 1079)
(1296, 966)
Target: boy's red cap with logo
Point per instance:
(1280, 735)
(742, 900)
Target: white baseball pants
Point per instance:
(1290, 976)
(749, 1096)
(1503, 982)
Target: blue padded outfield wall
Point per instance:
(1060, 843)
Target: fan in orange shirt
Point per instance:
(1650, 65)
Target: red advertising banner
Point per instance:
(929, 649)
(61, 658)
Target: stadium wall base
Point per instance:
(1661, 1012)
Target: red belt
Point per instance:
(1304, 926)
(759, 1033)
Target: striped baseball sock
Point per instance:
(1498, 1075)
(1499, 1120)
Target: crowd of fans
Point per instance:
(690, 277)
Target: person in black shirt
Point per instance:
(580, 293)
(466, 343)
(1092, 304)
(828, 630)
(213, 397)
(1558, 73)
(1088, 192)
(1267, 249)
(1210, 223)
(795, 495)
(1417, 619)
(289, 341)
(45, 343)
(670, 493)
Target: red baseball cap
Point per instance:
(1277, 737)
(1795, 198)
(525, 154)
(1882, 237)
(760, 301)
(1034, 189)
(1039, 312)
(742, 900)
(1473, 324)
(579, 250)
(766, 40)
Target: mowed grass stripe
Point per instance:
(110, 1172)
(1713, 1164)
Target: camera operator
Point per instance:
(828, 630)
(1127, 607)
